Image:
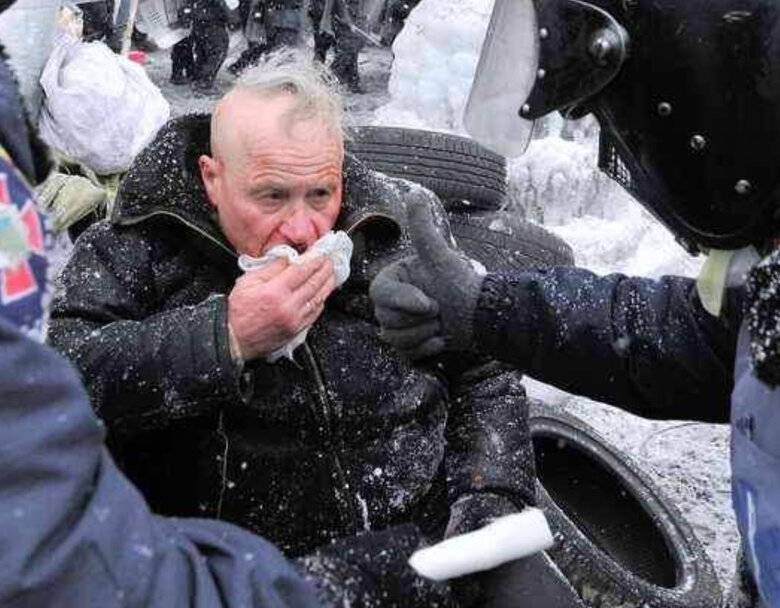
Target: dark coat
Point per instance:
(75, 532)
(646, 346)
(348, 437)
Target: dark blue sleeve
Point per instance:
(75, 532)
(644, 345)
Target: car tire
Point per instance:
(454, 168)
(503, 242)
(619, 541)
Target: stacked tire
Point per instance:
(472, 183)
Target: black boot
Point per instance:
(322, 42)
(180, 77)
(182, 63)
(248, 58)
(345, 64)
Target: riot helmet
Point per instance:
(686, 92)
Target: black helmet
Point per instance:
(687, 93)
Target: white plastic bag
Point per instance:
(100, 109)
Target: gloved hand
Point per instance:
(474, 511)
(530, 581)
(372, 570)
(425, 303)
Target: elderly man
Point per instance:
(172, 340)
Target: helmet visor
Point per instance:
(505, 76)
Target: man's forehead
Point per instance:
(244, 122)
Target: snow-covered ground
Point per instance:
(556, 182)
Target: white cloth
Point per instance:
(336, 245)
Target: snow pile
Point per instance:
(556, 182)
(440, 41)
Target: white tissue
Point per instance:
(506, 539)
(336, 245)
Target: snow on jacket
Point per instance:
(650, 348)
(644, 345)
(75, 532)
(348, 437)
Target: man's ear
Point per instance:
(210, 173)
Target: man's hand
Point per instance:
(267, 307)
(425, 303)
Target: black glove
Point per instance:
(372, 570)
(533, 581)
(474, 511)
(409, 294)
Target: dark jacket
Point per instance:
(75, 532)
(646, 346)
(348, 437)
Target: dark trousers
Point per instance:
(200, 55)
(97, 24)
(277, 37)
(346, 44)
(210, 47)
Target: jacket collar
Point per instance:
(165, 181)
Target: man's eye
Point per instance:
(270, 196)
(320, 195)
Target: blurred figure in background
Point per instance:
(196, 59)
(270, 25)
(97, 17)
(332, 22)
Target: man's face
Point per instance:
(275, 183)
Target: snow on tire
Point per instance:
(503, 242)
(619, 541)
(455, 168)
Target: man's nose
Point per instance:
(298, 229)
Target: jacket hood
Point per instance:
(165, 181)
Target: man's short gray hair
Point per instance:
(312, 84)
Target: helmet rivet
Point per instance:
(664, 108)
(742, 186)
(698, 143)
(543, 33)
(540, 73)
(600, 49)
(525, 109)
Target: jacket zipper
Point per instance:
(346, 504)
(344, 501)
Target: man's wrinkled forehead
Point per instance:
(245, 124)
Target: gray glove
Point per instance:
(425, 303)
